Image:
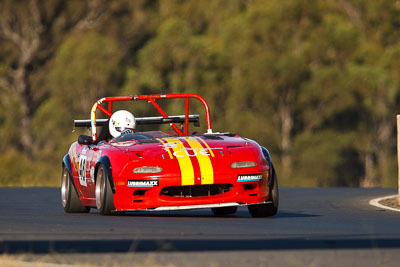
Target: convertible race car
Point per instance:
(165, 170)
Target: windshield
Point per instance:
(129, 136)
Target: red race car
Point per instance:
(122, 169)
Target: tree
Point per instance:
(174, 61)
(376, 84)
(266, 47)
(32, 29)
(24, 29)
(83, 71)
(327, 106)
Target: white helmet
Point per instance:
(120, 121)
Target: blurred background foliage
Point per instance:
(317, 82)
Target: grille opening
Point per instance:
(196, 190)
(253, 195)
(249, 186)
(140, 192)
(138, 201)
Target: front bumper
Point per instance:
(154, 198)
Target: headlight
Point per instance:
(153, 169)
(243, 164)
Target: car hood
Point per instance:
(188, 156)
(184, 146)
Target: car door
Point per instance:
(85, 177)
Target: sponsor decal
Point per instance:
(76, 166)
(142, 183)
(92, 174)
(171, 144)
(190, 152)
(84, 150)
(249, 178)
(193, 151)
(96, 156)
(206, 145)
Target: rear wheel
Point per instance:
(267, 209)
(224, 211)
(104, 194)
(69, 197)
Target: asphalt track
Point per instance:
(314, 227)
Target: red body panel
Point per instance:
(190, 169)
(198, 160)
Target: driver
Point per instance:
(122, 122)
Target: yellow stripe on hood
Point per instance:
(166, 148)
(203, 157)
(185, 164)
(209, 149)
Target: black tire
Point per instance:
(69, 197)
(224, 211)
(267, 209)
(104, 194)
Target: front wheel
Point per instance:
(104, 194)
(69, 197)
(267, 209)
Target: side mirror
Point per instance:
(85, 140)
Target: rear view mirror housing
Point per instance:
(85, 140)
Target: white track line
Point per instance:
(375, 202)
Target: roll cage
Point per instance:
(151, 99)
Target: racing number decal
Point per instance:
(82, 170)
